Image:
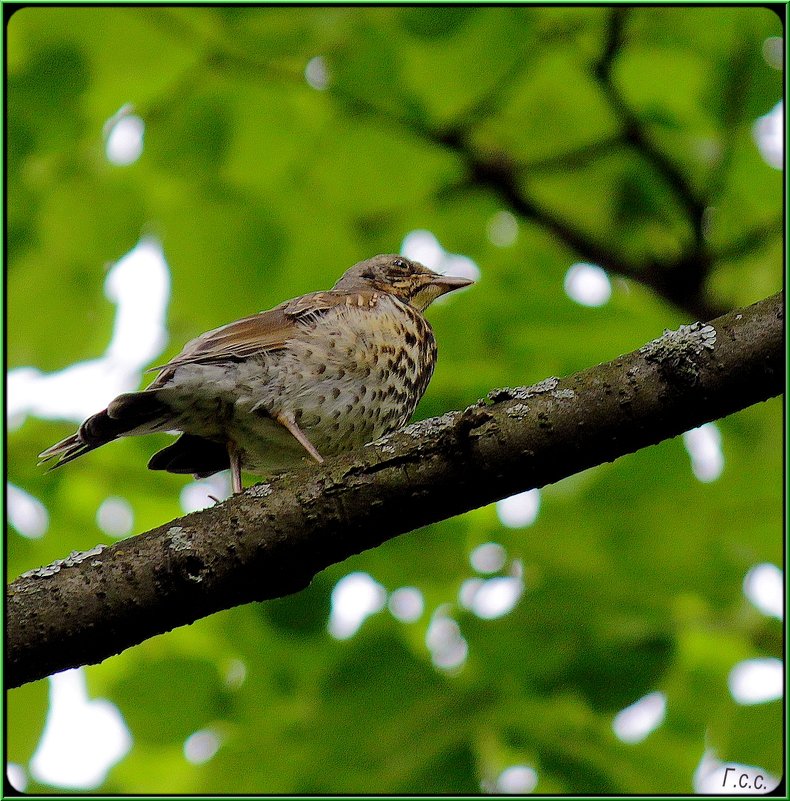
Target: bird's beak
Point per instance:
(447, 283)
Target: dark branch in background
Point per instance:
(498, 173)
(750, 241)
(274, 538)
(677, 281)
(491, 101)
(614, 41)
(494, 171)
(576, 158)
(681, 280)
(634, 131)
(733, 93)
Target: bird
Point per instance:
(317, 375)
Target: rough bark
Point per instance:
(274, 538)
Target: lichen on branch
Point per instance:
(271, 540)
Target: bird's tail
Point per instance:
(66, 450)
(133, 410)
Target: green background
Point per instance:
(261, 187)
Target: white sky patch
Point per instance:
(756, 681)
(197, 494)
(406, 604)
(767, 133)
(316, 73)
(763, 585)
(519, 511)
(634, 723)
(459, 266)
(26, 514)
(83, 738)
(713, 777)
(704, 447)
(354, 598)
(201, 746)
(488, 557)
(491, 598)
(424, 247)
(115, 517)
(516, 780)
(502, 229)
(123, 136)
(588, 284)
(139, 284)
(443, 638)
(17, 777)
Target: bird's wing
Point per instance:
(261, 333)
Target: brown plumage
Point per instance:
(318, 374)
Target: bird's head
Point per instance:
(396, 275)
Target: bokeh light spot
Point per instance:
(704, 447)
(316, 73)
(406, 604)
(491, 598)
(236, 674)
(763, 586)
(768, 134)
(519, 510)
(517, 779)
(123, 137)
(488, 557)
(443, 638)
(588, 285)
(201, 746)
(756, 681)
(502, 229)
(773, 54)
(25, 513)
(201, 494)
(634, 723)
(354, 598)
(115, 517)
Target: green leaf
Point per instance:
(26, 709)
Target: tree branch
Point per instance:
(680, 281)
(274, 538)
(634, 130)
(755, 239)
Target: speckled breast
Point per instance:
(348, 377)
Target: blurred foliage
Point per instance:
(260, 188)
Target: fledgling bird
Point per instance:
(320, 374)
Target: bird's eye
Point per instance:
(399, 263)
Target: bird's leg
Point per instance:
(287, 422)
(235, 467)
